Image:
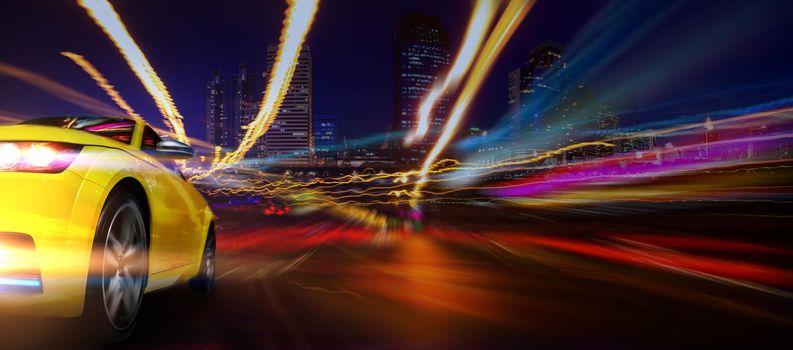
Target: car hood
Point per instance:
(56, 134)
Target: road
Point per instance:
(482, 277)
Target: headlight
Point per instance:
(37, 157)
(10, 155)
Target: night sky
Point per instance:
(695, 57)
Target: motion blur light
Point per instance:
(9, 155)
(37, 157)
(41, 156)
(19, 265)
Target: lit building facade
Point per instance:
(638, 143)
(325, 138)
(289, 141)
(421, 58)
(219, 128)
(244, 103)
(607, 125)
(533, 88)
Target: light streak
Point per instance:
(481, 17)
(106, 17)
(308, 192)
(7, 119)
(622, 177)
(297, 23)
(101, 82)
(216, 154)
(513, 15)
(59, 90)
(299, 17)
(776, 113)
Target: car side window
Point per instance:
(150, 139)
(116, 129)
(149, 144)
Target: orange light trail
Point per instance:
(297, 23)
(101, 82)
(108, 19)
(512, 17)
(481, 18)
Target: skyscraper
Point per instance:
(421, 57)
(244, 103)
(289, 140)
(219, 126)
(533, 87)
(608, 123)
(325, 139)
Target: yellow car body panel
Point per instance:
(60, 213)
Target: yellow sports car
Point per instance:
(93, 214)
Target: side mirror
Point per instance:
(172, 149)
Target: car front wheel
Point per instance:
(119, 267)
(206, 274)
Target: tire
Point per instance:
(205, 279)
(119, 268)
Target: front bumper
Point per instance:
(59, 213)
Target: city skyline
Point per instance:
(635, 107)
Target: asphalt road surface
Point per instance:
(473, 277)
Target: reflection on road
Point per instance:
(497, 278)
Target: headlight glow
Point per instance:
(37, 157)
(41, 156)
(9, 155)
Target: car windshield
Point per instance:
(118, 129)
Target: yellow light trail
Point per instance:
(324, 187)
(101, 82)
(366, 198)
(402, 179)
(59, 90)
(297, 23)
(108, 19)
(393, 188)
(513, 15)
(481, 18)
(299, 17)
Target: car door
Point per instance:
(173, 211)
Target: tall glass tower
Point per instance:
(290, 138)
(534, 88)
(421, 57)
(219, 127)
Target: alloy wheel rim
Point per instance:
(124, 266)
